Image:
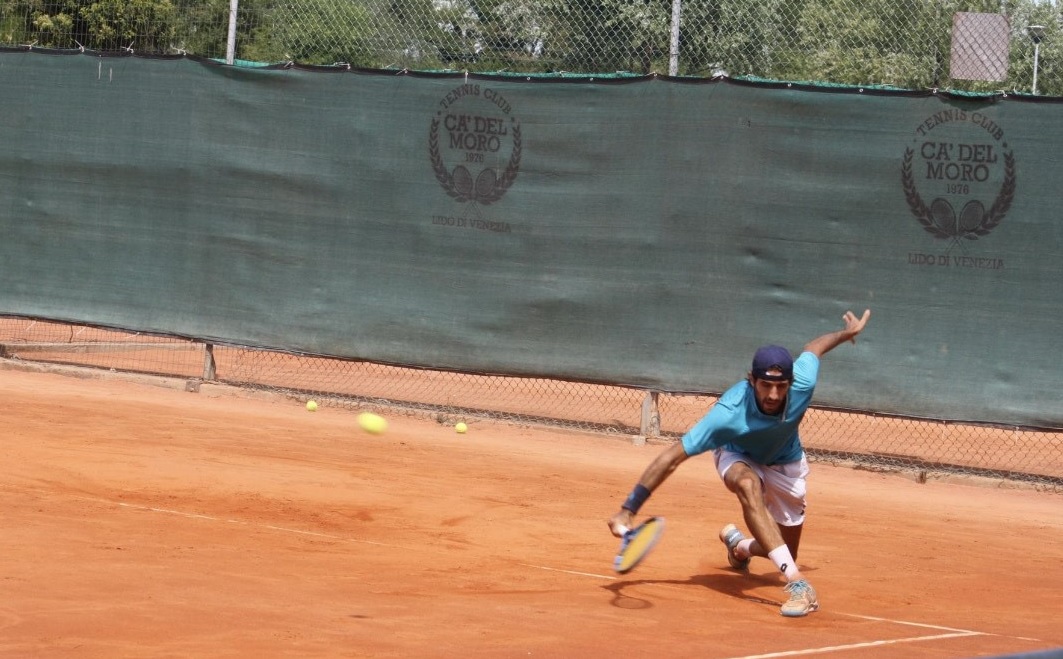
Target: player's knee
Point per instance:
(747, 488)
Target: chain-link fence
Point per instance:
(925, 449)
(978, 46)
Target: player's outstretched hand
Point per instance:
(620, 523)
(854, 325)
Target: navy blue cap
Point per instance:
(773, 358)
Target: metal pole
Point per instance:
(1036, 55)
(673, 57)
(230, 44)
(1037, 34)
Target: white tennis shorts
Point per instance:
(785, 485)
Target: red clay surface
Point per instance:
(146, 521)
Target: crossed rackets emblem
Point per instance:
(940, 218)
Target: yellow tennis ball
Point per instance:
(311, 405)
(372, 423)
(460, 427)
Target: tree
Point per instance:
(140, 25)
(606, 36)
(1049, 55)
(735, 37)
(901, 43)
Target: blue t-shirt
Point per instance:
(737, 424)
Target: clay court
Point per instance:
(143, 520)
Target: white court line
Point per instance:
(578, 574)
(916, 624)
(938, 627)
(244, 523)
(856, 646)
(953, 633)
(154, 510)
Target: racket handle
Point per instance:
(621, 530)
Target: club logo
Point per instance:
(474, 144)
(960, 161)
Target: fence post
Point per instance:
(230, 43)
(650, 426)
(210, 367)
(673, 51)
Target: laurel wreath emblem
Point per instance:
(487, 188)
(940, 220)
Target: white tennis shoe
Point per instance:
(802, 599)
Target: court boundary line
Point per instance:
(271, 527)
(857, 646)
(950, 631)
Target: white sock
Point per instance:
(784, 561)
(742, 548)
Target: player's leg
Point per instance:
(785, 489)
(773, 502)
(744, 480)
(791, 535)
(742, 548)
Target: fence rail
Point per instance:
(976, 46)
(925, 449)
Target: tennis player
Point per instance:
(752, 431)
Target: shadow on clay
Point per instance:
(737, 585)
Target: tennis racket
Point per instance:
(636, 543)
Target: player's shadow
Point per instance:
(734, 584)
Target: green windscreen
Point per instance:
(647, 232)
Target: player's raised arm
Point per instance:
(821, 345)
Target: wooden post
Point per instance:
(650, 425)
(210, 368)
